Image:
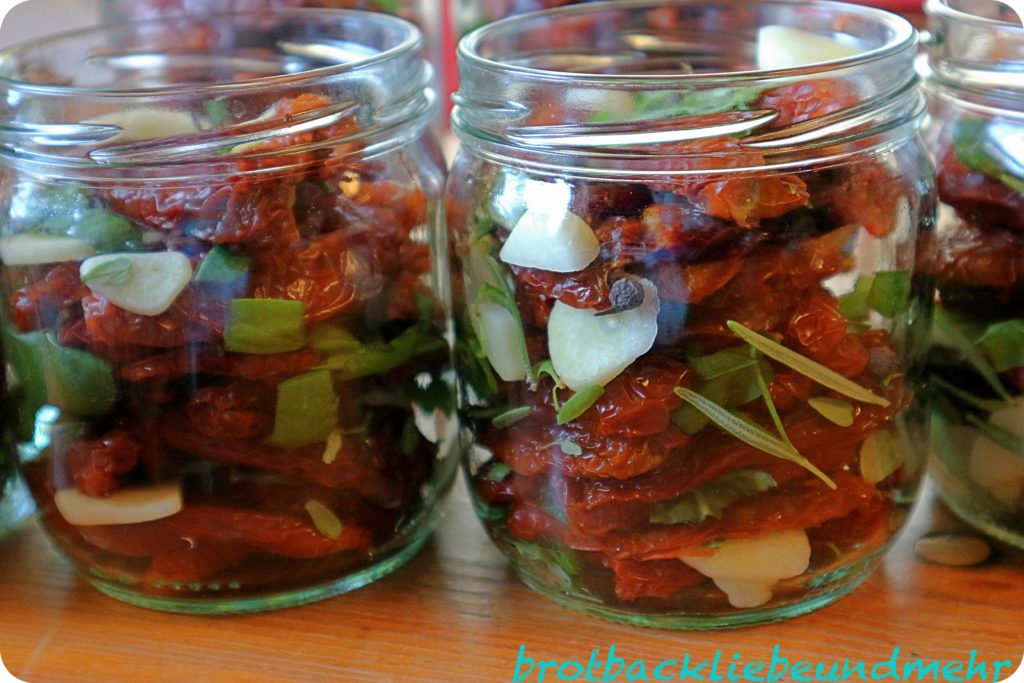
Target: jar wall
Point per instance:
(977, 360)
(693, 376)
(234, 385)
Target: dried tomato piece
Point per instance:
(594, 201)
(191, 318)
(654, 579)
(819, 330)
(97, 466)
(281, 113)
(529, 448)
(48, 294)
(639, 401)
(807, 100)
(239, 410)
(241, 211)
(972, 257)
(747, 201)
(200, 560)
(208, 360)
(361, 465)
(683, 232)
(979, 197)
(867, 194)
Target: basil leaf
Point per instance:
(580, 403)
(989, 151)
(383, 357)
(116, 271)
(805, 366)
(713, 498)
(834, 410)
(890, 293)
(1003, 344)
(854, 305)
(510, 417)
(568, 447)
(722, 363)
(498, 472)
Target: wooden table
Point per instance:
(456, 613)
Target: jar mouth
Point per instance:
(322, 57)
(900, 37)
(629, 80)
(976, 54)
(225, 93)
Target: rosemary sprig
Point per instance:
(805, 366)
(750, 433)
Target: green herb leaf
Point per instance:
(335, 440)
(498, 472)
(750, 433)
(580, 403)
(382, 357)
(713, 498)
(722, 363)
(568, 447)
(981, 146)
(947, 329)
(546, 367)
(854, 305)
(116, 271)
(325, 521)
(1004, 439)
(306, 410)
(805, 366)
(890, 293)
(983, 404)
(554, 564)
(881, 454)
(762, 385)
(834, 410)
(510, 417)
(1003, 344)
(265, 326)
(217, 112)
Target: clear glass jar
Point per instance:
(693, 300)
(976, 131)
(15, 502)
(472, 14)
(225, 284)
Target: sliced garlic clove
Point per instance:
(589, 349)
(30, 249)
(558, 242)
(130, 506)
(498, 329)
(153, 282)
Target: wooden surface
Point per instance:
(456, 613)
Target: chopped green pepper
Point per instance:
(306, 410)
(265, 326)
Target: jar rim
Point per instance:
(943, 9)
(410, 43)
(904, 38)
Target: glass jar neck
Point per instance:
(204, 90)
(976, 55)
(619, 82)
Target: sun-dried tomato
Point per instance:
(197, 560)
(748, 200)
(866, 194)
(191, 318)
(971, 256)
(530, 448)
(654, 579)
(239, 410)
(639, 401)
(981, 198)
(362, 465)
(209, 360)
(48, 294)
(97, 466)
(596, 201)
(807, 100)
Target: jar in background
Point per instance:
(693, 294)
(976, 131)
(225, 304)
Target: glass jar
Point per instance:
(471, 14)
(693, 295)
(976, 132)
(225, 303)
(15, 501)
